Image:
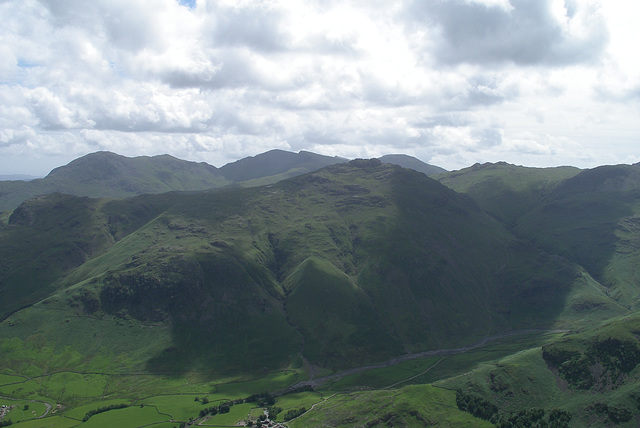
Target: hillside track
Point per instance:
(413, 356)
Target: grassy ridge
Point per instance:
(105, 174)
(504, 190)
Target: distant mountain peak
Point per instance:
(411, 162)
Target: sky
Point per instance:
(452, 82)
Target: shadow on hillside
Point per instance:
(467, 276)
(229, 326)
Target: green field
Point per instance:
(49, 422)
(409, 406)
(131, 417)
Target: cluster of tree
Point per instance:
(615, 355)
(534, 418)
(476, 405)
(261, 419)
(617, 414)
(5, 423)
(103, 409)
(273, 412)
(262, 399)
(305, 388)
(214, 410)
(294, 413)
(153, 294)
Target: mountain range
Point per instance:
(109, 175)
(316, 265)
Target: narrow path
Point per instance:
(324, 400)
(415, 376)
(433, 353)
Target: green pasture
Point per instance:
(29, 390)
(453, 365)
(48, 422)
(297, 400)
(183, 407)
(79, 412)
(237, 413)
(415, 405)
(6, 379)
(384, 377)
(18, 412)
(273, 381)
(71, 387)
(130, 417)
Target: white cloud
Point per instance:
(452, 82)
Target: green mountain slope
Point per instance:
(276, 163)
(593, 375)
(351, 264)
(105, 174)
(592, 219)
(412, 163)
(506, 191)
(50, 235)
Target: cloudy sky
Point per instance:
(452, 82)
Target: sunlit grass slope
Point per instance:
(506, 191)
(593, 375)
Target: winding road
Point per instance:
(49, 406)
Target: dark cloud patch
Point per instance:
(572, 8)
(488, 137)
(192, 78)
(485, 90)
(130, 28)
(479, 91)
(440, 120)
(258, 28)
(69, 12)
(526, 34)
(623, 95)
(319, 138)
(227, 68)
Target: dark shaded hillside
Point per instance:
(48, 236)
(593, 220)
(351, 264)
(507, 191)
